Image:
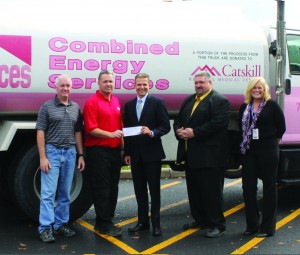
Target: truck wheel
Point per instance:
(234, 173)
(3, 182)
(27, 187)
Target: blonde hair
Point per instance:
(253, 81)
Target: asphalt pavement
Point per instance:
(18, 235)
(165, 173)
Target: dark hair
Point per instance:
(104, 72)
(142, 75)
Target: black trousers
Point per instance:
(261, 164)
(104, 167)
(143, 174)
(205, 192)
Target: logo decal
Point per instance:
(212, 70)
(19, 46)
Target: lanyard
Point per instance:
(252, 111)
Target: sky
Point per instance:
(261, 11)
(265, 11)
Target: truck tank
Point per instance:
(169, 41)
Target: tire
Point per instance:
(27, 187)
(3, 193)
(5, 182)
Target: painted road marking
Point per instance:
(186, 233)
(256, 240)
(111, 239)
(166, 243)
(162, 187)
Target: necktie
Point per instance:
(139, 108)
(197, 101)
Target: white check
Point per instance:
(131, 131)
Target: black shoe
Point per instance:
(65, 230)
(102, 229)
(249, 232)
(139, 227)
(112, 231)
(194, 224)
(47, 236)
(261, 234)
(214, 232)
(156, 231)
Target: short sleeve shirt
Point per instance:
(104, 114)
(60, 122)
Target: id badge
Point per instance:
(255, 134)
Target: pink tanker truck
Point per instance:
(168, 43)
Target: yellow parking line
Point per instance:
(126, 222)
(256, 240)
(166, 243)
(134, 219)
(170, 241)
(233, 183)
(167, 207)
(111, 239)
(162, 187)
(126, 198)
(234, 209)
(185, 233)
(170, 184)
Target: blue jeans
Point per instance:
(59, 178)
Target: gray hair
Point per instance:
(62, 77)
(203, 73)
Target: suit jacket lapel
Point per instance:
(201, 105)
(187, 109)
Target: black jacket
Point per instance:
(270, 123)
(209, 147)
(154, 116)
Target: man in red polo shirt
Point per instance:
(103, 141)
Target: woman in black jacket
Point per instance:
(262, 124)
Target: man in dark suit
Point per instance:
(144, 152)
(201, 129)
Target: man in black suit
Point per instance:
(201, 129)
(144, 152)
